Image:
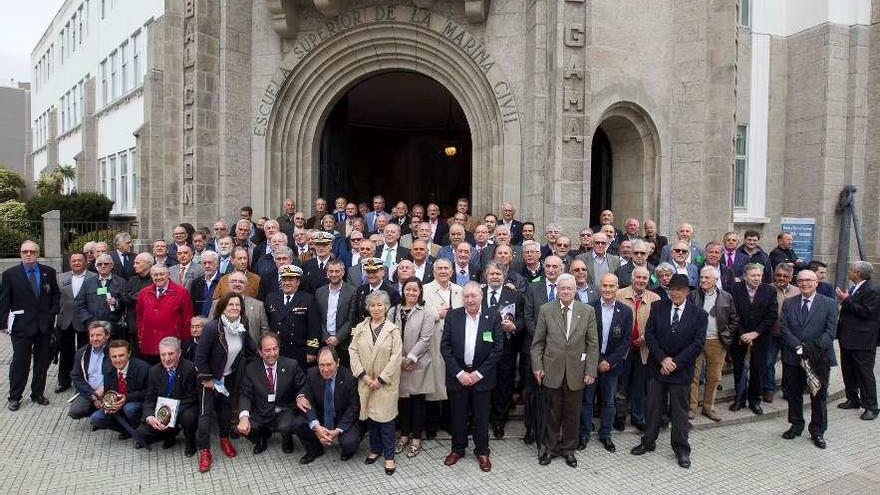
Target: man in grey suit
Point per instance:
(598, 260)
(70, 332)
(335, 321)
(185, 271)
(807, 322)
(100, 298)
(565, 358)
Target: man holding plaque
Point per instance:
(101, 297)
(171, 401)
(268, 396)
(125, 387)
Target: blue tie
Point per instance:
(552, 295)
(32, 277)
(852, 290)
(805, 310)
(172, 375)
(329, 407)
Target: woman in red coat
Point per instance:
(164, 309)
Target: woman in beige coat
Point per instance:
(416, 322)
(375, 361)
(440, 296)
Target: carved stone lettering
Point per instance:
(573, 131)
(575, 35)
(573, 69)
(573, 98)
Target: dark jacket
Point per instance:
(860, 319)
(297, 323)
(202, 294)
(682, 346)
(186, 387)
(255, 390)
(126, 271)
(346, 403)
(487, 352)
(135, 380)
(759, 315)
(818, 329)
(726, 319)
(80, 370)
(760, 257)
(92, 306)
(129, 298)
(359, 305)
(211, 352)
(38, 310)
(618, 337)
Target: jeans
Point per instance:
(607, 384)
(131, 412)
(382, 438)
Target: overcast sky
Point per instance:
(21, 26)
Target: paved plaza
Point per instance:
(44, 451)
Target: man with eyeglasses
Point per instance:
(240, 265)
(532, 269)
(639, 252)
(181, 238)
(599, 261)
(587, 293)
(680, 256)
(30, 298)
(586, 242)
(220, 230)
(551, 233)
(100, 298)
(562, 248)
(783, 275)
(807, 325)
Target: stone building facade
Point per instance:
(238, 92)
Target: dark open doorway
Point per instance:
(600, 176)
(391, 134)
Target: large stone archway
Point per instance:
(636, 162)
(324, 64)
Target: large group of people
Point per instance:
(353, 321)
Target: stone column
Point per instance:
(87, 165)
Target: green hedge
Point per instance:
(10, 241)
(75, 207)
(13, 214)
(106, 235)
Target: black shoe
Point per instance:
(343, 457)
(791, 433)
(664, 421)
(608, 444)
(234, 434)
(641, 449)
(430, 435)
(62, 387)
(571, 460)
(756, 408)
(736, 405)
(818, 441)
(544, 459)
(260, 446)
(287, 444)
(869, 415)
(684, 460)
(390, 470)
(190, 450)
(639, 426)
(309, 457)
(849, 405)
(498, 431)
(40, 400)
(529, 439)
(124, 436)
(371, 460)
(582, 443)
(13, 405)
(169, 442)
(619, 424)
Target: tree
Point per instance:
(11, 184)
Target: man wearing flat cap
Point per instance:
(293, 315)
(374, 269)
(675, 335)
(315, 269)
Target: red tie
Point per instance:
(120, 379)
(270, 379)
(635, 333)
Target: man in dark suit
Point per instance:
(330, 405)
(725, 275)
(136, 283)
(807, 320)
(439, 228)
(173, 378)
(376, 280)
(335, 331)
(464, 270)
(537, 294)
(423, 263)
(29, 293)
(371, 217)
(315, 269)
(268, 396)
(733, 258)
(565, 356)
(675, 334)
(514, 225)
(391, 252)
(123, 261)
(502, 298)
(201, 290)
(615, 323)
(753, 252)
(471, 346)
(756, 306)
(857, 331)
(292, 314)
(783, 253)
(100, 298)
(128, 378)
(70, 332)
(654, 238)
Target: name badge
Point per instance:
(271, 398)
(583, 356)
(615, 333)
(487, 336)
(102, 291)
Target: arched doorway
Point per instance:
(399, 134)
(624, 163)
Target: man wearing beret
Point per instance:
(293, 315)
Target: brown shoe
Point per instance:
(485, 463)
(767, 397)
(452, 458)
(712, 415)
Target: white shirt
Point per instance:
(332, 303)
(471, 328)
(809, 301)
(76, 282)
(420, 271)
(680, 310)
(856, 287)
(555, 291)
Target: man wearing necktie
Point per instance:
(565, 358)
(675, 335)
(268, 396)
(329, 402)
(128, 378)
(857, 332)
(293, 315)
(100, 297)
(807, 324)
(30, 294)
(173, 378)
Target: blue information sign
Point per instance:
(803, 230)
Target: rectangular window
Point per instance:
(73, 33)
(111, 174)
(745, 13)
(137, 72)
(74, 113)
(82, 101)
(104, 89)
(63, 44)
(740, 169)
(79, 24)
(134, 184)
(123, 181)
(114, 75)
(103, 8)
(63, 114)
(123, 73)
(102, 171)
